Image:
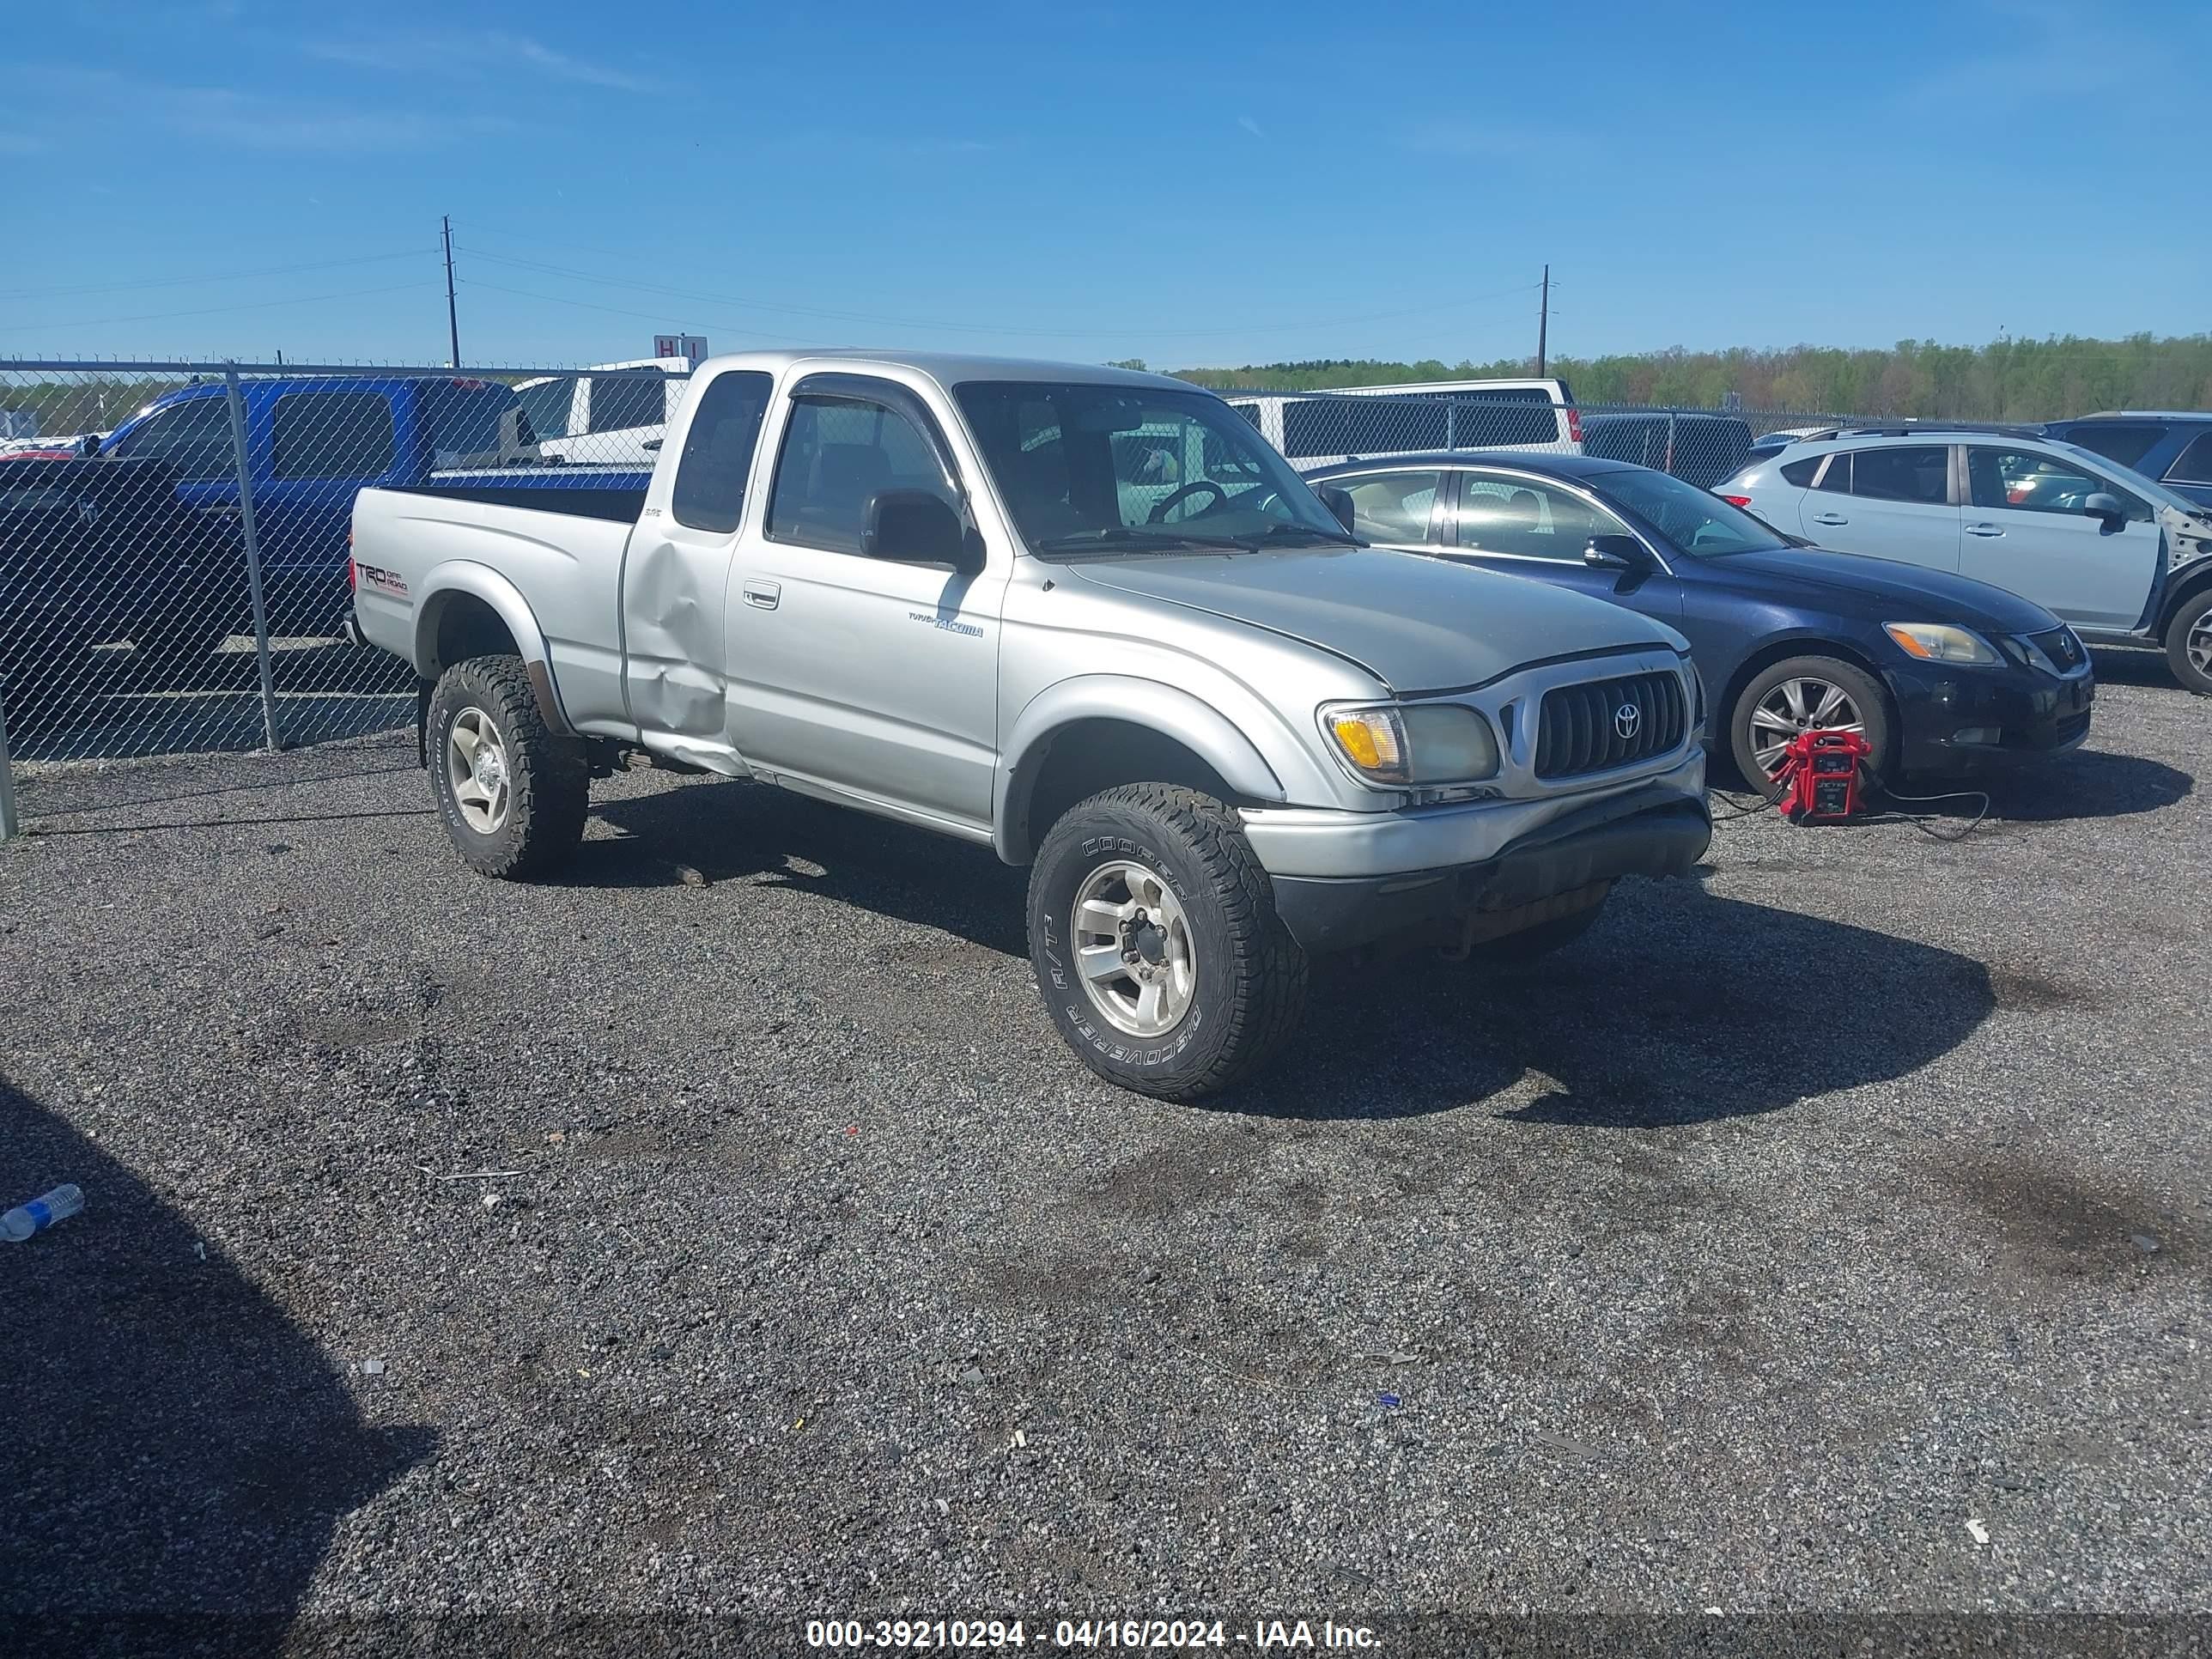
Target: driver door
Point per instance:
(2026, 531)
(857, 677)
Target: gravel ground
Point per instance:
(1797, 1231)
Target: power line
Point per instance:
(219, 276)
(633, 285)
(211, 310)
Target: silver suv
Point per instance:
(2120, 557)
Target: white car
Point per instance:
(606, 419)
(1357, 422)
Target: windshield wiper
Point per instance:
(1281, 535)
(1122, 537)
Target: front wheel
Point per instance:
(512, 792)
(1801, 695)
(1154, 935)
(2189, 643)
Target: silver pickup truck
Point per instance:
(1085, 616)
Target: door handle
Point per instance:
(1985, 530)
(650, 445)
(1829, 518)
(764, 594)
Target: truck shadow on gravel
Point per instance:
(174, 1445)
(1680, 1006)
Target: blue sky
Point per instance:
(1216, 185)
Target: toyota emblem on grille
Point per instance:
(1626, 718)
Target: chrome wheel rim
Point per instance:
(475, 767)
(1796, 707)
(2200, 643)
(1133, 949)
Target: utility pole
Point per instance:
(1543, 321)
(453, 318)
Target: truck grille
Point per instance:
(1601, 723)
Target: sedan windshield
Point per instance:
(1127, 468)
(1699, 523)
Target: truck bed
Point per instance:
(619, 505)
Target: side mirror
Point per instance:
(1339, 503)
(913, 526)
(2109, 507)
(1615, 552)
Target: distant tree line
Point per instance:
(2004, 381)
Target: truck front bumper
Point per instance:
(1658, 829)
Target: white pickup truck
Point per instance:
(1085, 616)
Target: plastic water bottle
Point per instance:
(41, 1214)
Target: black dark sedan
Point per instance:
(1937, 671)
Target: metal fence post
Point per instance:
(10, 823)
(252, 555)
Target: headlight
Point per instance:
(1941, 642)
(1426, 743)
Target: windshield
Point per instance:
(1700, 524)
(1121, 466)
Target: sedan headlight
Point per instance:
(1424, 743)
(1941, 642)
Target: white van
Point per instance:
(1351, 423)
(593, 421)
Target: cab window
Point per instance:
(837, 453)
(194, 437)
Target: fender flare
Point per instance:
(1175, 714)
(481, 582)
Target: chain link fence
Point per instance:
(174, 563)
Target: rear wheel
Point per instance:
(1801, 695)
(1153, 932)
(512, 792)
(2189, 643)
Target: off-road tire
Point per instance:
(1863, 690)
(550, 782)
(2194, 617)
(1249, 975)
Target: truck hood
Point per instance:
(1415, 623)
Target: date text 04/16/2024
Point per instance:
(1162, 1635)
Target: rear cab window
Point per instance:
(709, 492)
